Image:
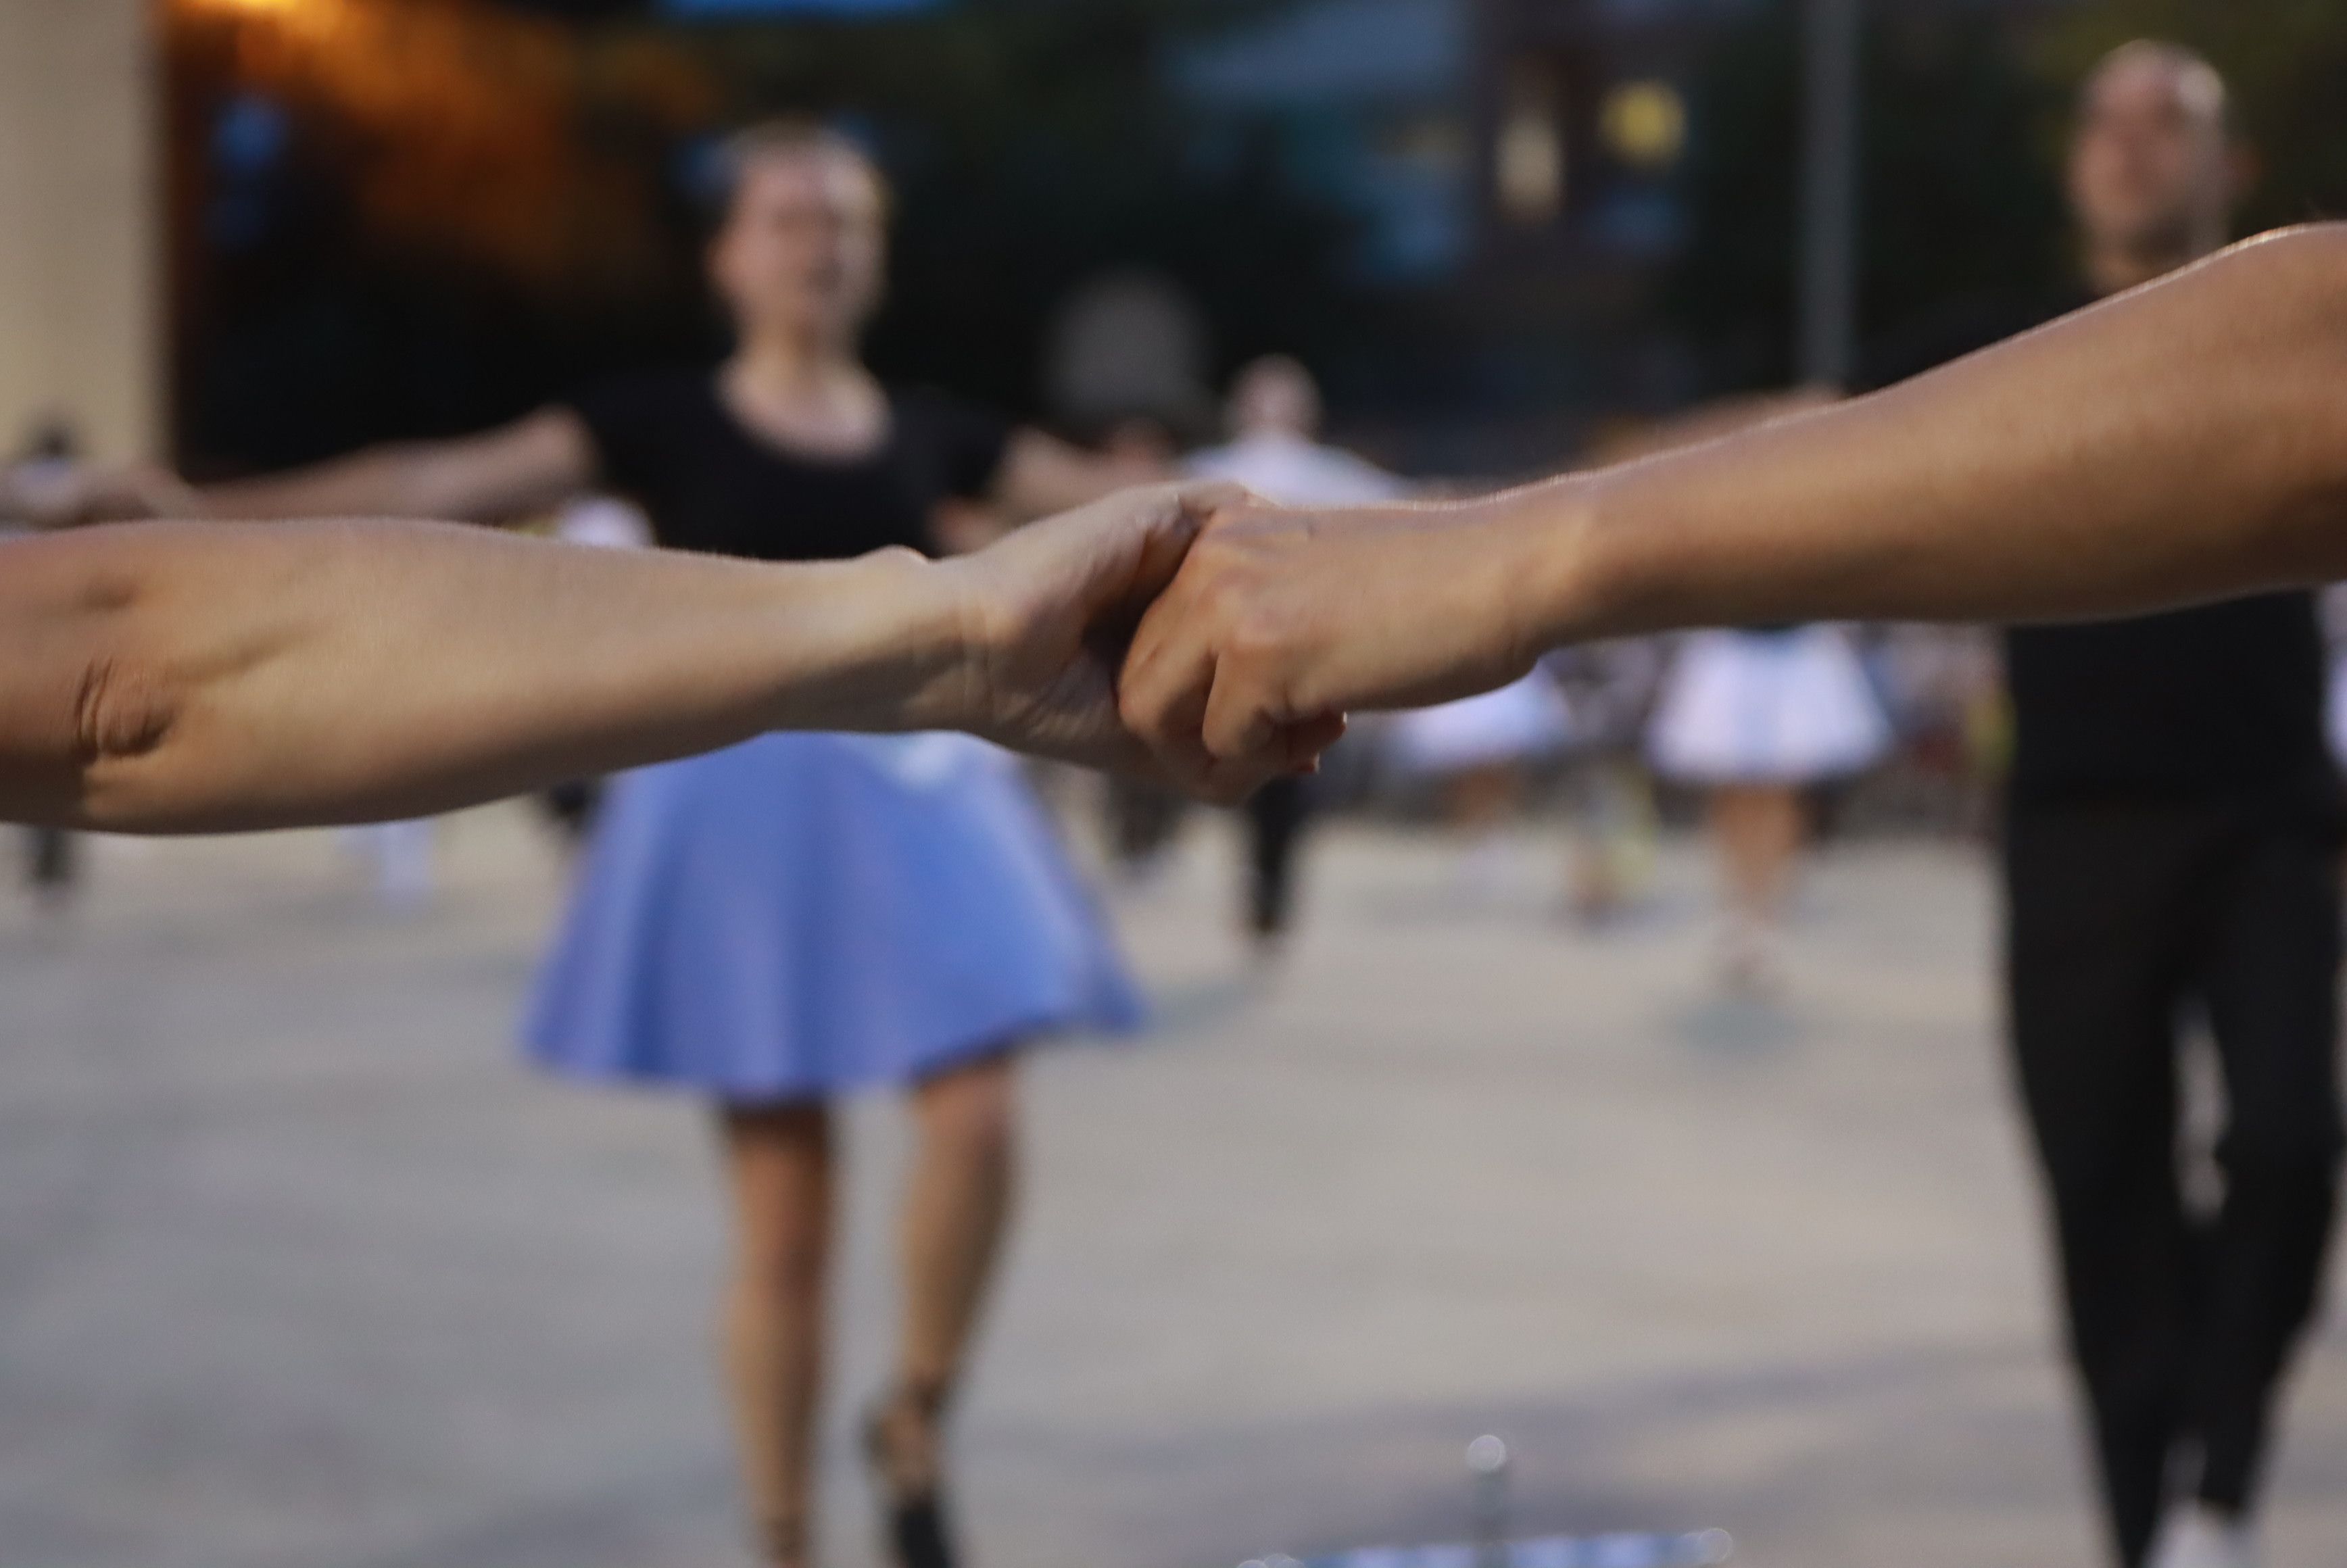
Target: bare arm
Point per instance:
(527, 467)
(167, 677)
(1043, 474)
(2186, 441)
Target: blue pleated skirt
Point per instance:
(806, 914)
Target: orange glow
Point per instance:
(258, 7)
(455, 121)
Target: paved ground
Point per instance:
(297, 1270)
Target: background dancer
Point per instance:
(1755, 718)
(2184, 441)
(777, 924)
(2171, 838)
(1609, 690)
(1274, 450)
(1480, 751)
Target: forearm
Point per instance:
(1042, 475)
(380, 482)
(2184, 441)
(398, 481)
(227, 677)
(497, 476)
(2188, 440)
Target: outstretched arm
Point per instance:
(2186, 441)
(166, 677)
(527, 467)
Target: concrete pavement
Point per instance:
(299, 1270)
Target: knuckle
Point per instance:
(121, 710)
(1140, 709)
(1257, 636)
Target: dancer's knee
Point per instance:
(972, 1110)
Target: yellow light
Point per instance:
(1645, 124)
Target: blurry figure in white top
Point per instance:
(1274, 419)
(1483, 750)
(1479, 749)
(1274, 416)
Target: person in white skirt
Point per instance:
(1755, 716)
(1479, 749)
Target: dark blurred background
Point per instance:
(1490, 224)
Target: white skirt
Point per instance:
(1519, 721)
(1767, 707)
(2334, 715)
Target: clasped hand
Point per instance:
(1206, 635)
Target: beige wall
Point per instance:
(80, 224)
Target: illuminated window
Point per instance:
(1645, 124)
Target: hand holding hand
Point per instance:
(1047, 614)
(1281, 621)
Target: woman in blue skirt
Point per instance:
(779, 923)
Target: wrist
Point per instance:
(892, 641)
(938, 638)
(1550, 565)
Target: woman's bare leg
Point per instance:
(957, 1207)
(778, 1165)
(1758, 828)
(1485, 797)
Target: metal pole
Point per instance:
(1829, 313)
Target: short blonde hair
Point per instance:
(784, 136)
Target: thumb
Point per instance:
(1154, 550)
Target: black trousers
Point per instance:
(2119, 917)
(1276, 814)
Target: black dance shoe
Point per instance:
(913, 1512)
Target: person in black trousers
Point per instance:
(2171, 850)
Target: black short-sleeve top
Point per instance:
(2211, 700)
(712, 485)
